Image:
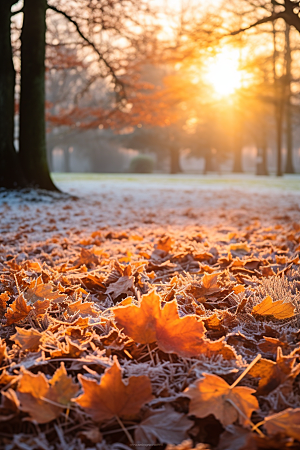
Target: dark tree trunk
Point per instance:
(208, 162)
(33, 154)
(10, 171)
(289, 166)
(262, 149)
(238, 152)
(175, 160)
(278, 102)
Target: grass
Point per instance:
(285, 183)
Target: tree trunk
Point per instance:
(33, 154)
(289, 166)
(238, 149)
(175, 160)
(10, 171)
(208, 162)
(278, 104)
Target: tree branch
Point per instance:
(267, 19)
(119, 86)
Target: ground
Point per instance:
(157, 280)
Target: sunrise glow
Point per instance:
(223, 72)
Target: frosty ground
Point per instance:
(202, 251)
(137, 200)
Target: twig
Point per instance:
(245, 417)
(246, 371)
(125, 430)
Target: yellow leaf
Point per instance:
(279, 309)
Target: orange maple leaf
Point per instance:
(18, 310)
(45, 400)
(212, 395)
(114, 397)
(148, 323)
(85, 309)
(27, 339)
(38, 291)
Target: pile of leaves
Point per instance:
(179, 340)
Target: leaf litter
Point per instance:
(181, 336)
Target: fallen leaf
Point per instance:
(83, 308)
(90, 436)
(278, 309)
(240, 247)
(210, 281)
(286, 422)
(271, 373)
(113, 396)
(165, 243)
(3, 354)
(45, 400)
(237, 438)
(3, 300)
(212, 395)
(165, 426)
(124, 285)
(183, 336)
(139, 322)
(38, 291)
(148, 323)
(27, 339)
(18, 310)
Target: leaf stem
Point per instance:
(246, 371)
(245, 417)
(125, 430)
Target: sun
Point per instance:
(223, 72)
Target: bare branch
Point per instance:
(119, 86)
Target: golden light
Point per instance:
(223, 72)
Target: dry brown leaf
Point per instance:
(237, 438)
(124, 285)
(213, 348)
(212, 395)
(27, 339)
(286, 422)
(45, 400)
(3, 354)
(38, 291)
(113, 396)
(165, 426)
(90, 436)
(9, 407)
(18, 310)
(210, 281)
(40, 307)
(165, 243)
(6, 378)
(83, 308)
(240, 247)
(270, 345)
(278, 309)
(271, 373)
(3, 301)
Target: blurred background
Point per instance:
(171, 87)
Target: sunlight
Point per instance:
(223, 72)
